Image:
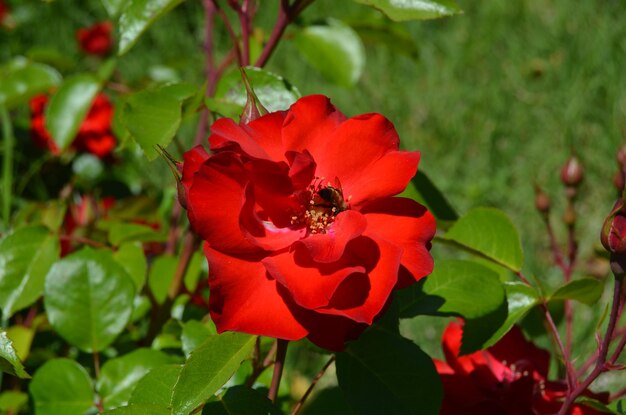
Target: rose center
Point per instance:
(322, 203)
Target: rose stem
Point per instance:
(96, 369)
(569, 369)
(604, 349)
(572, 247)
(245, 16)
(261, 366)
(312, 385)
(7, 162)
(286, 14)
(230, 30)
(281, 352)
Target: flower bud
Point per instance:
(618, 181)
(569, 217)
(253, 108)
(621, 157)
(613, 236)
(542, 200)
(572, 172)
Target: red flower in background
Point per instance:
(94, 135)
(84, 212)
(4, 10)
(97, 39)
(508, 378)
(301, 231)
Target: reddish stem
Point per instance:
(316, 379)
(80, 239)
(601, 365)
(281, 353)
(230, 30)
(245, 20)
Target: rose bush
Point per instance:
(301, 231)
(94, 135)
(509, 378)
(96, 39)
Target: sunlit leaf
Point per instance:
(68, 107)
(9, 362)
(88, 297)
(586, 290)
(334, 49)
(61, 387)
(401, 10)
(22, 81)
(157, 386)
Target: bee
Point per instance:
(331, 197)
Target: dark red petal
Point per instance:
(260, 138)
(407, 224)
(515, 349)
(215, 200)
(301, 168)
(310, 284)
(362, 299)
(242, 298)
(329, 247)
(451, 345)
(309, 125)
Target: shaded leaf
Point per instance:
(491, 233)
(240, 400)
(208, 368)
(88, 297)
(61, 387)
(384, 373)
(423, 190)
(13, 401)
(23, 80)
(326, 402)
(334, 49)
(157, 386)
(68, 108)
(26, 256)
(401, 10)
(9, 362)
(130, 256)
(120, 232)
(160, 277)
(194, 334)
(137, 16)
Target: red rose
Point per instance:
(301, 231)
(4, 10)
(508, 378)
(94, 135)
(96, 40)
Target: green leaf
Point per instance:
(113, 7)
(240, 400)
(22, 81)
(160, 277)
(119, 376)
(586, 290)
(384, 373)
(194, 334)
(88, 297)
(22, 338)
(520, 299)
(334, 49)
(152, 117)
(273, 91)
(138, 409)
(489, 232)
(61, 387)
(137, 16)
(402, 10)
(157, 386)
(9, 362)
(458, 287)
(208, 368)
(68, 107)
(381, 31)
(13, 401)
(26, 255)
(423, 190)
(130, 256)
(455, 287)
(325, 402)
(120, 232)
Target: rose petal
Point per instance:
(215, 200)
(329, 247)
(192, 160)
(309, 124)
(242, 298)
(260, 138)
(407, 224)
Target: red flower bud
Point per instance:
(621, 157)
(613, 236)
(572, 172)
(618, 181)
(4, 10)
(97, 39)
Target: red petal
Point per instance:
(192, 160)
(407, 224)
(242, 298)
(309, 125)
(514, 348)
(329, 247)
(215, 200)
(260, 138)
